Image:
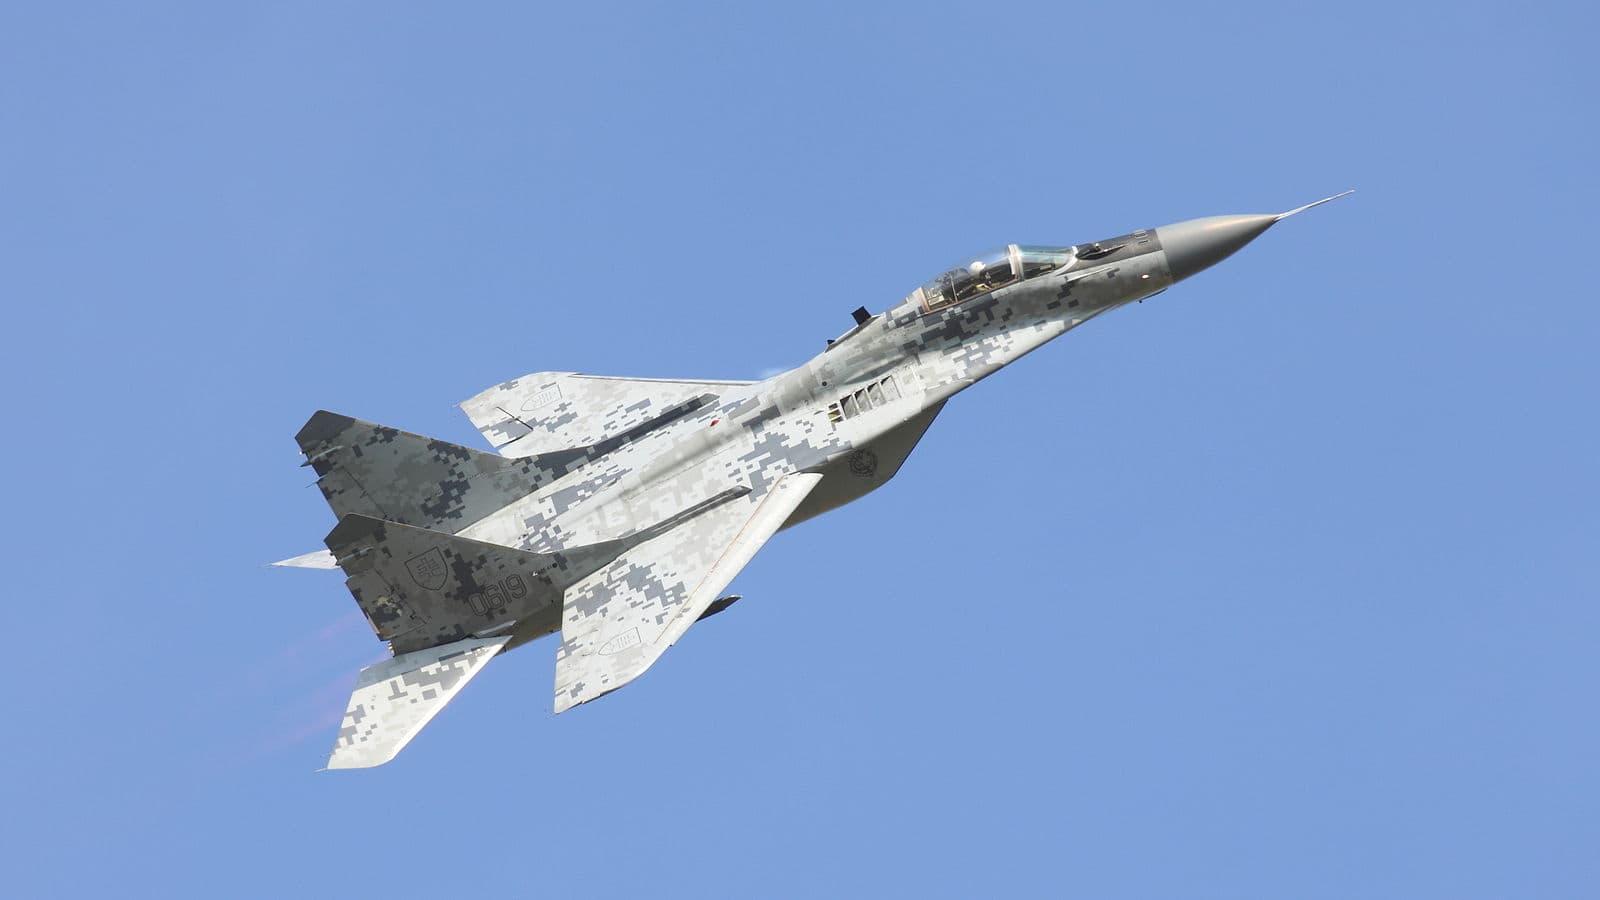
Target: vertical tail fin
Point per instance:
(382, 472)
(420, 588)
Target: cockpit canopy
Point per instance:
(992, 271)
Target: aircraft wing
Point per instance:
(548, 412)
(619, 621)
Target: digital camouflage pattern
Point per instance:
(618, 510)
(395, 698)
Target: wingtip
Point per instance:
(1300, 209)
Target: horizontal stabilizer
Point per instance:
(394, 699)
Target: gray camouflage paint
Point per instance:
(623, 507)
(395, 698)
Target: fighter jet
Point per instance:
(617, 510)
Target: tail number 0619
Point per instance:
(496, 595)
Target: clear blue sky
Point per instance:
(1283, 584)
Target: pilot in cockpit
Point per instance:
(992, 271)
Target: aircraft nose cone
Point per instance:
(1202, 243)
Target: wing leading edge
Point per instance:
(618, 622)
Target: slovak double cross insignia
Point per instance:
(428, 570)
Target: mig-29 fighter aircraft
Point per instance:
(617, 510)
